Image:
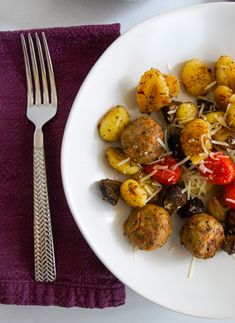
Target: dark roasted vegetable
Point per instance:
(110, 190)
(229, 243)
(209, 106)
(172, 198)
(231, 142)
(175, 146)
(169, 117)
(192, 206)
(230, 221)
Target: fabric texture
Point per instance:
(82, 280)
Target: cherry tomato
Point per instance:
(218, 169)
(229, 195)
(166, 172)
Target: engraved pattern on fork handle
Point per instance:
(44, 258)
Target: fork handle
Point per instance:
(44, 257)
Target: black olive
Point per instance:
(172, 198)
(192, 206)
(175, 146)
(230, 221)
(229, 243)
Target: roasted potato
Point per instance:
(213, 117)
(202, 235)
(148, 228)
(173, 84)
(222, 96)
(113, 123)
(216, 207)
(153, 91)
(133, 194)
(119, 161)
(196, 76)
(225, 72)
(230, 116)
(150, 185)
(223, 134)
(196, 140)
(186, 112)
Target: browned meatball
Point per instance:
(202, 235)
(139, 140)
(148, 228)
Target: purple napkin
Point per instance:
(82, 280)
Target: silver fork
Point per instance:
(41, 107)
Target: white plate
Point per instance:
(204, 31)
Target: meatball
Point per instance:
(202, 235)
(139, 140)
(148, 228)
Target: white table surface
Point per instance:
(15, 14)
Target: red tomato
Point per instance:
(229, 195)
(165, 173)
(218, 169)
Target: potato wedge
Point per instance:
(196, 76)
(196, 140)
(222, 96)
(133, 194)
(225, 71)
(119, 161)
(113, 123)
(153, 92)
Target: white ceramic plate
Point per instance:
(204, 31)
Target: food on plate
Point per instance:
(166, 170)
(230, 116)
(113, 123)
(182, 165)
(172, 198)
(202, 235)
(119, 161)
(222, 95)
(230, 221)
(218, 169)
(155, 90)
(133, 194)
(229, 243)
(186, 112)
(110, 190)
(148, 228)
(225, 71)
(192, 206)
(141, 140)
(216, 207)
(196, 77)
(196, 140)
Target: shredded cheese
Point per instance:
(204, 143)
(162, 144)
(181, 162)
(191, 267)
(124, 161)
(220, 143)
(230, 200)
(210, 86)
(221, 121)
(172, 111)
(152, 195)
(201, 110)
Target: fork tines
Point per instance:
(35, 97)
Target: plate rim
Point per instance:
(70, 200)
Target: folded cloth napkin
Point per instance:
(82, 280)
